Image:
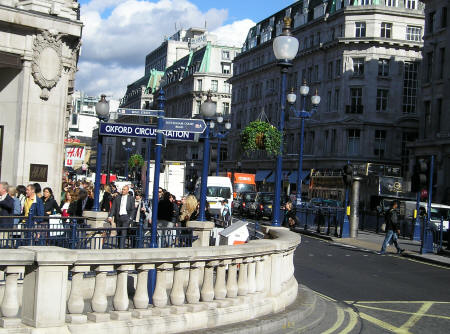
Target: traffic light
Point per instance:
(348, 175)
(419, 179)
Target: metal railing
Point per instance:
(321, 219)
(75, 233)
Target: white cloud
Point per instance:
(118, 34)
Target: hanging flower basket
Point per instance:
(260, 135)
(136, 160)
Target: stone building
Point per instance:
(39, 47)
(434, 104)
(363, 57)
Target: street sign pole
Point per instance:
(427, 240)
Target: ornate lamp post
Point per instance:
(102, 111)
(285, 48)
(303, 115)
(208, 111)
(126, 146)
(220, 132)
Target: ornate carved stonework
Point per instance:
(47, 62)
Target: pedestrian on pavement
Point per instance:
(319, 220)
(225, 213)
(22, 195)
(123, 210)
(290, 216)
(65, 204)
(38, 189)
(34, 207)
(392, 229)
(6, 209)
(50, 205)
(84, 202)
(165, 211)
(188, 210)
(176, 210)
(106, 199)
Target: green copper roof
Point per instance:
(204, 67)
(153, 80)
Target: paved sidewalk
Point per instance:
(373, 241)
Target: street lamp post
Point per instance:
(128, 149)
(102, 111)
(220, 134)
(285, 48)
(303, 115)
(208, 111)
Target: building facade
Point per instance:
(38, 61)
(434, 104)
(363, 58)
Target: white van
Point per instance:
(437, 211)
(218, 189)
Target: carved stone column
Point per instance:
(10, 302)
(141, 297)
(120, 300)
(232, 287)
(207, 292)
(177, 296)
(160, 295)
(99, 301)
(259, 278)
(220, 288)
(193, 290)
(75, 305)
(242, 282)
(251, 275)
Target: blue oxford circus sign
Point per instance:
(143, 131)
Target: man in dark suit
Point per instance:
(6, 209)
(123, 210)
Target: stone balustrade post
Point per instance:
(10, 303)
(202, 232)
(243, 276)
(251, 271)
(120, 300)
(177, 296)
(160, 294)
(220, 288)
(207, 292)
(276, 261)
(141, 297)
(45, 287)
(99, 302)
(232, 286)
(75, 304)
(193, 289)
(259, 277)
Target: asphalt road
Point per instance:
(391, 294)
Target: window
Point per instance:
(439, 114)
(386, 30)
(407, 138)
(365, 2)
(355, 100)
(441, 63)
(358, 66)
(411, 4)
(444, 17)
(333, 32)
(338, 67)
(74, 119)
(380, 143)
(226, 108)
(198, 106)
(326, 147)
(226, 68)
(309, 79)
(382, 97)
(330, 70)
(336, 99)
(333, 141)
(225, 54)
(390, 3)
(227, 88)
(316, 73)
(431, 18)
(360, 29)
(353, 140)
(329, 101)
(427, 107)
(410, 83)
(413, 33)
(429, 71)
(214, 85)
(383, 67)
(199, 85)
(303, 75)
(194, 152)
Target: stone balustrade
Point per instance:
(107, 291)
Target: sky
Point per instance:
(117, 34)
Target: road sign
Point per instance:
(142, 131)
(140, 112)
(184, 124)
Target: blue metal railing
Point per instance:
(321, 219)
(74, 233)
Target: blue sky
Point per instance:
(117, 34)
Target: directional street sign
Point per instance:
(140, 112)
(184, 124)
(143, 131)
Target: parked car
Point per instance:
(263, 205)
(248, 198)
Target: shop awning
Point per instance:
(284, 176)
(293, 176)
(261, 175)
